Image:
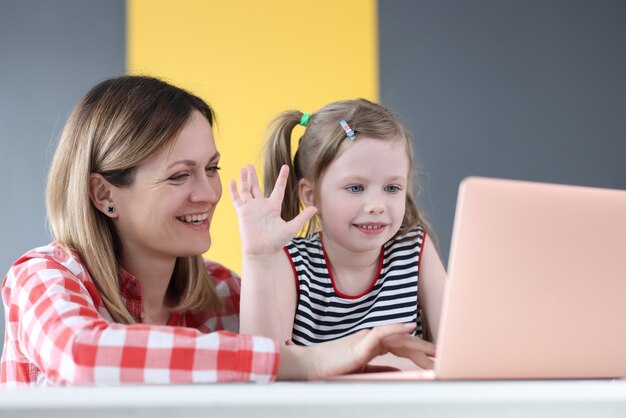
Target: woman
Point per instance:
(122, 295)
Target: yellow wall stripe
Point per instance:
(251, 60)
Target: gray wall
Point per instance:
(527, 89)
(51, 52)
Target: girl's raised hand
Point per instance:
(261, 227)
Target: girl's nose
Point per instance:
(375, 208)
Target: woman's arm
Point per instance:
(55, 329)
(431, 286)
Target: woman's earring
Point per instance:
(111, 209)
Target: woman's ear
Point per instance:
(306, 192)
(100, 195)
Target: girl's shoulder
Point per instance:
(311, 244)
(310, 239)
(413, 236)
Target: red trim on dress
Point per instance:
(332, 279)
(295, 273)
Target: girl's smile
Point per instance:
(371, 228)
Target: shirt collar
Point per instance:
(130, 288)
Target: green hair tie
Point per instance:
(304, 120)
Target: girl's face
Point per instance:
(362, 194)
(167, 210)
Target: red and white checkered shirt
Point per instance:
(58, 331)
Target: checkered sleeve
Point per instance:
(53, 319)
(228, 287)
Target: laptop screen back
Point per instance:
(536, 283)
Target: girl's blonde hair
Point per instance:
(323, 141)
(116, 126)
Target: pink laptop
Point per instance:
(536, 284)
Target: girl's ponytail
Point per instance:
(277, 154)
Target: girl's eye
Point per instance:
(213, 169)
(355, 188)
(392, 188)
(179, 176)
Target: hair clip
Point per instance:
(348, 130)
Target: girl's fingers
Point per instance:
(234, 194)
(417, 350)
(387, 331)
(375, 339)
(253, 181)
(297, 223)
(278, 192)
(417, 357)
(249, 184)
(249, 189)
(410, 342)
(244, 186)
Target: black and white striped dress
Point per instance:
(324, 314)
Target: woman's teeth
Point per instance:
(193, 218)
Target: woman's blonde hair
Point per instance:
(323, 141)
(117, 125)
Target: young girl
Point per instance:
(367, 258)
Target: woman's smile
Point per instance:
(195, 218)
(196, 221)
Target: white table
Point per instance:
(325, 400)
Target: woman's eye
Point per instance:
(392, 188)
(355, 188)
(179, 176)
(213, 169)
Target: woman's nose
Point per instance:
(207, 189)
